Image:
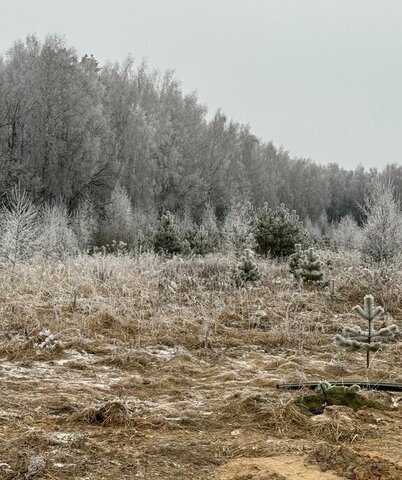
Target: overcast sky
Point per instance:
(322, 78)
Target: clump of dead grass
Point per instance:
(110, 414)
(283, 418)
(335, 425)
(338, 424)
(126, 360)
(18, 350)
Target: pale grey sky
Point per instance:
(323, 78)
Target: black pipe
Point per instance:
(391, 387)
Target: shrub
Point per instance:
(57, 237)
(276, 231)
(347, 234)
(19, 227)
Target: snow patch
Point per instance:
(63, 437)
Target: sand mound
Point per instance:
(354, 465)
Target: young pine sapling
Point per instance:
(247, 269)
(369, 340)
(310, 267)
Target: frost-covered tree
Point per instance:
(347, 234)
(247, 270)
(57, 238)
(369, 340)
(310, 267)
(19, 227)
(276, 231)
(237, 228)
(118, 221)
(209, 222)
(56, 140)
(205, 238)
(382, 232)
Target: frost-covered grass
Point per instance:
(164, 367)
(146, 299)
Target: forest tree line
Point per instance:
(73, 131)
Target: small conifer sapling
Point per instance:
(310, 267)
(202, 242)
(168, 238)
(247, 269)
(277, 230)
(369, 340)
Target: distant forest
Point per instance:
(71, 129)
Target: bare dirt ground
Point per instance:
(166, 371)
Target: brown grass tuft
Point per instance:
(110, 414)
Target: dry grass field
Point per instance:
(162, 369)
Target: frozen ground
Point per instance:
(178, 383)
